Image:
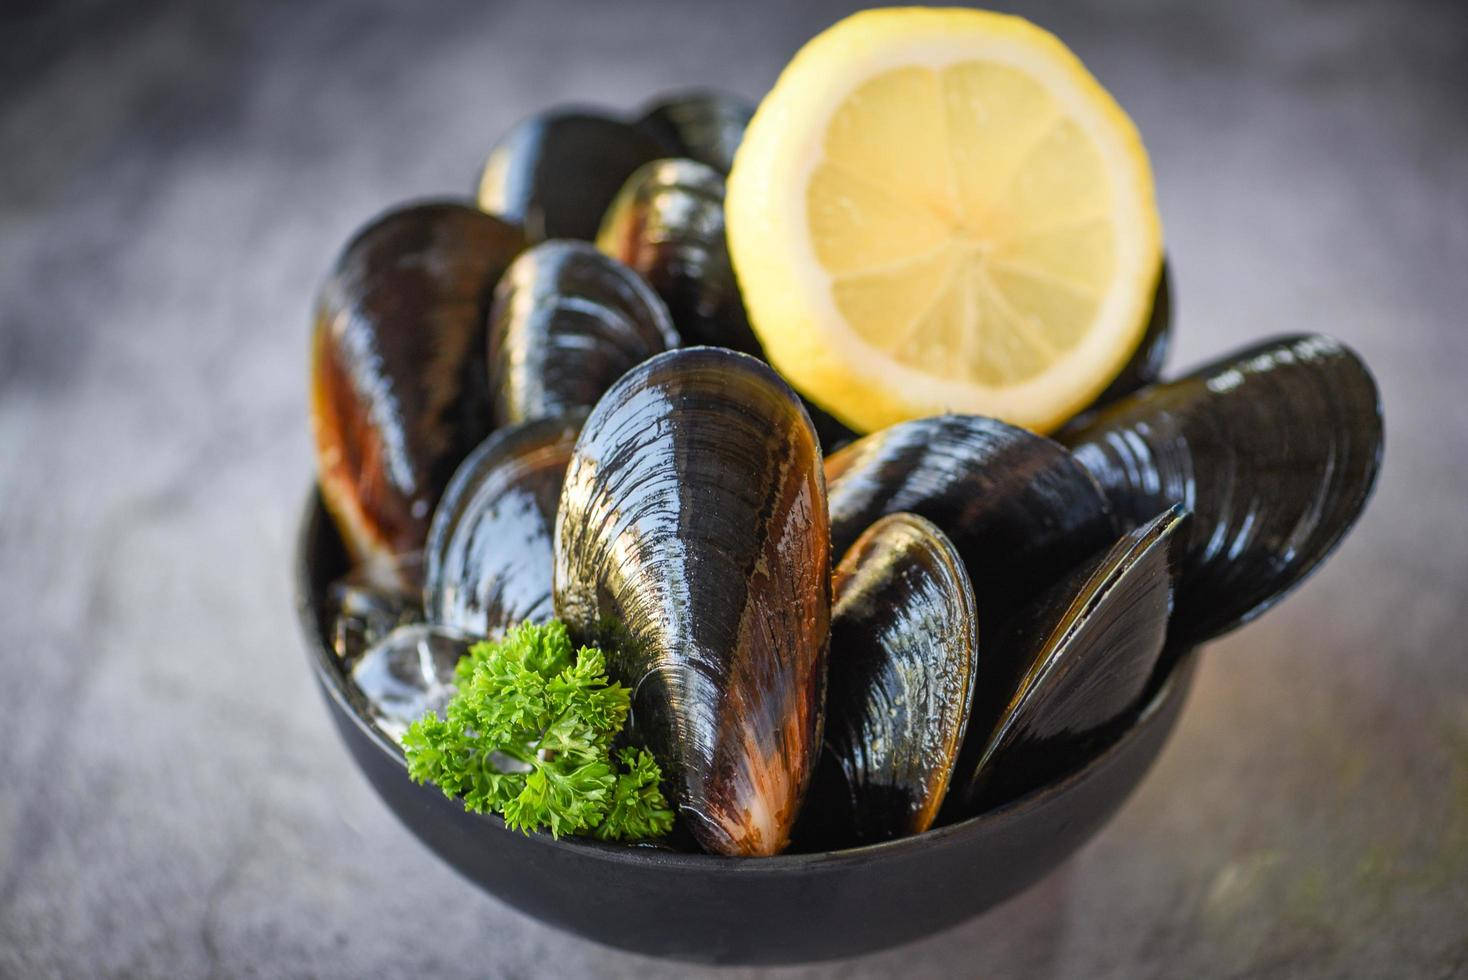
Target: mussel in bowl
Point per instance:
(398, 393)
(1058, 679)
(1274, 449)
(555, 173)
(1019, 508)
(692, 544)
(705, 126)
(902, 665)
(567, 321)
(488, 558)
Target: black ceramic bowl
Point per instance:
(781, 909)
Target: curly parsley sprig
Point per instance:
(529, 735)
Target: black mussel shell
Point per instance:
(407, 674)
(667, 225)
(567, 321)
(904, 650)
(1274, 450)
(488, 556)
(692, 545)
(1021, 511)
(398, 393)
(1058, 680)
(704, 126)
(555, 173)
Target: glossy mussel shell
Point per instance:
(1021, 511)
(567, 321)
(667, 224)
(1274, 449)
(398, 393)
(701, 125)
(692, 545)
(488, 557)
(555, 173)
(904, 652)
(1061, 677)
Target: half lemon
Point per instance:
(942, 210)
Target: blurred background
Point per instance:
(174, 180)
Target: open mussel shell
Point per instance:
(904, 649)
(1059, 679)
(409, 673)
(1020, 509)
(702, 125)
(567, 321)
(1274, 449)
(489, 554)
(692, 545)
(555, 173)
(667, 224)
(398, 392)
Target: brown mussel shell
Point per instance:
(567, 321)
(904, 650)
(667, 225)
(701, 125)
(398, 393)
(489, 556)
(1021, 511)
(555, 173)
(1274, 450)
(692, 546)
(1057, 681)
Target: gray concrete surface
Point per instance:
(175, 177)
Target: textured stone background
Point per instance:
(174, 178)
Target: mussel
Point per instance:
(1274, 449)
(1060, 677)
(904, 653)
(667, 224)
(1020, 509)
(567, 321)
(398, 393)
(692, 545)
(704, 126)
(409, 673)
(555, 173)
(488, 556)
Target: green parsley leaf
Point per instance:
(529, 735)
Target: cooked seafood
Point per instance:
(692, 544)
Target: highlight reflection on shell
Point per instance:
(904, 652)
(567, 321)
(1020, 509)
(692, 545)
(489, 554)
(398, 394)
(1059, 678)
(701, 125)
(1273, 449)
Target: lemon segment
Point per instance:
(942, 210)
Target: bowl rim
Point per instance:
(332, 680)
